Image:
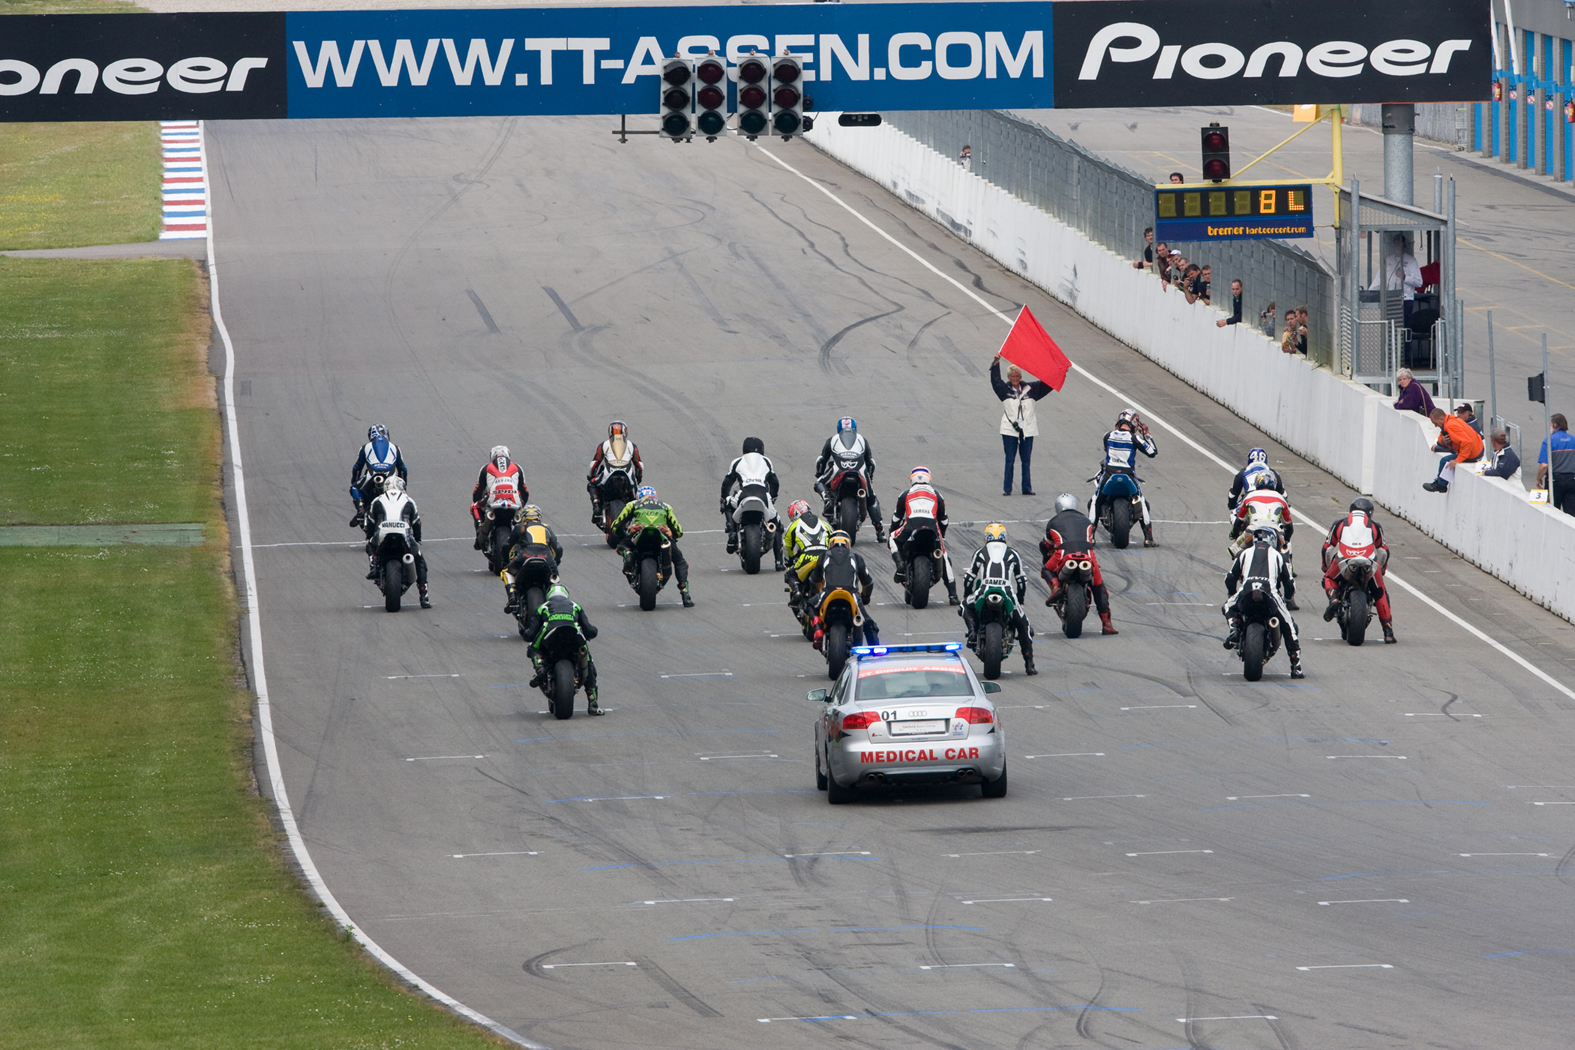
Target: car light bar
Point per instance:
(891, 650)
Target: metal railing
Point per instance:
(1111, 205)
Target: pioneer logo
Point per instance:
(1131, 42)
(126, 76)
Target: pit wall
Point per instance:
(1337, 424)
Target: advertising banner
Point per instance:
(857, 57)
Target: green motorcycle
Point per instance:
(994, 608)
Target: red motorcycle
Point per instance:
(1074, 587)
(1356, 590)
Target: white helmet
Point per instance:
(394, 484)
(1065, 501)
(499, 450)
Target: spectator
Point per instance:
(1301, 335)
(1401, 274)
(1201, 285)
(1465, 445)
(1562, 492)
(1469, 414)
(1235, 305)
(1019, 425)
(1266, 319)
(1162, 262)
(1288, 338)
(1148, 249)
(1178, 268)
(1412, 397)
(965, 158)
(1505, 461)
(1175, 176)
(1189, 283)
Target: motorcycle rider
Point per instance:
(920, 502)
(530, 538)
(1361, 513)
(378, 454)
(395, 504)
(616, 453)
(804, 541)
(751, 468)
(841, 566)
(1068, 534)
(651, 512)
(847, 440)
(1265, 508)
(500, 471)
(1257, 463)
(1122, 444)
(1262, 561)
(560, 608)
(1002, 568)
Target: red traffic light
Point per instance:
(677, 74)
(711, 97)
(786, 72)
(711, 70)
(751, 70)
(1214, 140)
(751, 96)
(1216, 153)
(676, 98)
(785, 97)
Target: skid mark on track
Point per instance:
(826, 363)
(676, 990)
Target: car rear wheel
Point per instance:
(820, 774)
(995, 788)
(838, 795)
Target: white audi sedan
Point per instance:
(904, 714)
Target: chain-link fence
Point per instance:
(1111, 205)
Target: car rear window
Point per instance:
(912, 681)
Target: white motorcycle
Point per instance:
(753, 512)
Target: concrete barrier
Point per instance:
(1345, 428)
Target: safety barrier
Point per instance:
(1343, 427)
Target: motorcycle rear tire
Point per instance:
(393, 583)
(919, 577)
(1120, 523)
(562, 703)
(650, 582)
(836, 646)
(848, 517)
(498, 548)
(1076, 609)
(610, 511)
(526, 613)
(749, 549)
(990, 651)
(1356, 616)
(1254, 643)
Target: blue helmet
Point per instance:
(645, 492)
(375, 431)
(847, 425)
(1257, 455)
(1265, 479)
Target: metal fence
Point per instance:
(1448, 122)
(1111, 205)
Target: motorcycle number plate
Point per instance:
(917, 727)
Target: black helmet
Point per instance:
(754, 445)
(1362, 503)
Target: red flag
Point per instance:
(1029, 347)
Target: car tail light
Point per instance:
(860, 720)
(976, 715)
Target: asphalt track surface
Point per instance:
(1378, 856)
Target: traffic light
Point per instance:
(752, 97)
(1216, 153)
(677, 81)
(711, 96)
(787, 95)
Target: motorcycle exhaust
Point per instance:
(409, 559)
(936, 553)
(858, 621)
(1085, 565)
(862, 494)
(771, 526)
(1274, 622)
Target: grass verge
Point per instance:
(143, 898)
(74, 184)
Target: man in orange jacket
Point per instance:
(1465, 443)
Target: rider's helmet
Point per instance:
(500, 456)
(1265, 535)
(839, 539)
(558, 590)
(1363, 504)
(1065, 501)
(645, 492)
(1129, 419)
(920, 476)
(754, 445)
(618, 428)
(375, 431)
(394, 484)
(995, 532)
(796, 508)
(1264, 480)
(531, 514)
(1257, 455)
(847, 425)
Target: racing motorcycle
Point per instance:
(1260, 626)
(530, 590)
(846, 492)
(614, 489)
(1121, 506)
(921, 550)
(993, 610)
(559, 653)
(502, 503)
(648, 561)
(396, 560)
(1357, 588)
(840, 622)
(755, 516)
(803, 608)
(1076, 593)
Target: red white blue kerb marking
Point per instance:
(185, 188)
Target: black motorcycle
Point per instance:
(845, 495)
(530, 590)
(921, 551)
(648, 565)
(559, 653)
(396, 560)
(1260, 628)
(615, 492)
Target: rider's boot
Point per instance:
(426, 599)
(541, 670)
(781, 565)
(1028, 660)
(1389, 631)
(1148, 535)
(951, 593)
(1055, 587)
(1105, 626)
(1290, 603)
(592, 706)
(478, 543)
(1234, 635)
(683, 592)
(880, 532)
(371, 569)
(1296, 666)
(1333, 610)
(513, 603)
(732, 541)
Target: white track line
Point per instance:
(1162, 424)
(281, 798)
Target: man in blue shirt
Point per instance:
(1505, 459)
(1562, 494)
